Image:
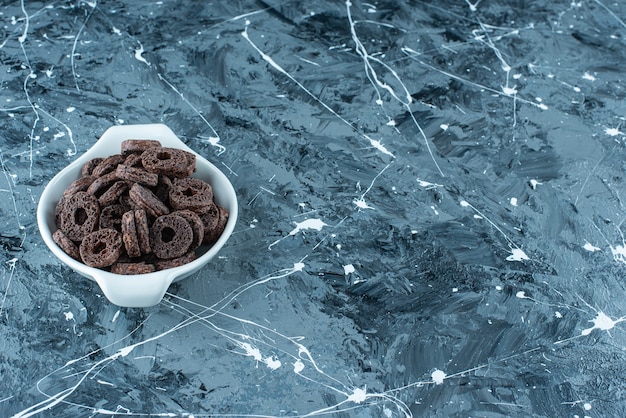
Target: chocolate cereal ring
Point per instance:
(66, 244)
(79, 185)
(190, 193)
(101, 248)
(169, 161)
(111, 217)
(113, 193)
(195, 222)
(210, 219)
(90, 165)
(191, 163)
(59, 208)
(143, 231)
(108, 165)
(162, 189)
(216, 231)
(133, 160)
(138, 145)
(127, 203)
(147, 201)
(79, 215)
(176, 262)
(129, 234)
(170, 236)
(136, 175)
(132, 268)
(101, 184)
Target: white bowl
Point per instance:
(141, 290)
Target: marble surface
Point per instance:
(431, 217)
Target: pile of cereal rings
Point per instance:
(138, 211)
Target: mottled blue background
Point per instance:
(431, 216)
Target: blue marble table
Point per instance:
(431, 218)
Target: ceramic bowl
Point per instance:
(142, 290)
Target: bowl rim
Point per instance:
(111, 138)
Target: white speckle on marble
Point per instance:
(517, 255)
(428, 185)
(272, 363)
(361, 203)
(509, 91)
(138, 55)
(438, 376)
(589, 77)
(379, 146)
(613, 131)
(602, 322)
(590, 247)
(123, 352)
(619, 253)
(298, 366)
(359, 395)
